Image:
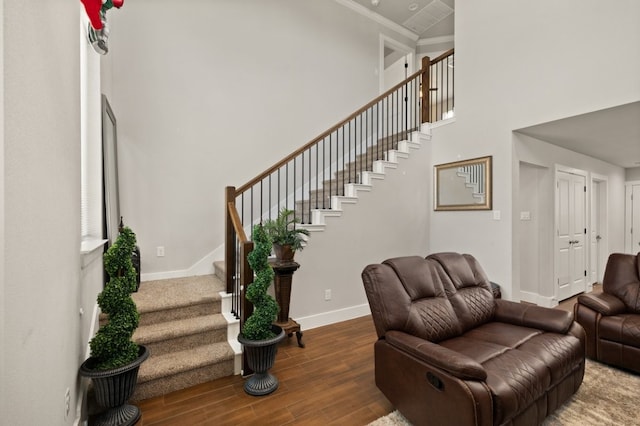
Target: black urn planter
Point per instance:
(113, 388)
(261, 354)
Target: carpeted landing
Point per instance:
(181, 325)
(607, 397)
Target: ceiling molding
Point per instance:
(435, 40)
(379, 19)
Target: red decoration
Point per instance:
(95, 7)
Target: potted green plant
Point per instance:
(115, 358)
(259, 336)
(286, 237)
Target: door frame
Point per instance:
(628, 219)
(556, 246)
(603, 223)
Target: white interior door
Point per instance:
(635, 218)
(570, 259)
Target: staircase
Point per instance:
(358, 175)
(182, 326)
(181, 319)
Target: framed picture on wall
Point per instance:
(463, 185)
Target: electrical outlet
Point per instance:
(327, 294)
(67, 403)
(160, 251)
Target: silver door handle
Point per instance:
(598, 237)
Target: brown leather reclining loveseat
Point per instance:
(448, 353)
(611, 319)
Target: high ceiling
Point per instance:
(426, 18)
(612, 135)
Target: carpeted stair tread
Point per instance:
(181, 325)
(220, 268)
(177, 362)
(177, 292)
(178, 328)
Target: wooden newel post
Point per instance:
(229, 239)
(282, 283)
(425, 87)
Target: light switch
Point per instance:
(525, 215)
(496, 215)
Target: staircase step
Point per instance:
(218, 270)
(181, 325)
(165, 337)
(178, 298)
(162, 374)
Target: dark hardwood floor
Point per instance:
(330, 382)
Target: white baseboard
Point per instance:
(535, 298)
(331, 317)
(202, 267)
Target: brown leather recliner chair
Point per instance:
(448, 353)
(611, 319)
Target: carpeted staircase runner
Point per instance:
(181, 325)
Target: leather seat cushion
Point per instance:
(516, 379)
(561, 353)
(503, 334)
(521, 362)
(623, 329)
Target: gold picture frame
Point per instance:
(463, 185)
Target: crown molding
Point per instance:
(358, 8)
(435, 40)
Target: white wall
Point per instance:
(2, 209)
(632, 174)
(531, 193)
(368, 232)
(41, 347)
(539, 159)
(209, 94)
(533, 64)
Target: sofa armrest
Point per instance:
(547, 319)
(604, 303)
(454, 363)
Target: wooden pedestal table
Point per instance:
(282, 284)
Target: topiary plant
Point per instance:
(112, 346)
(265, 308)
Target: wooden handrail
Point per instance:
(444, 56)
(237, 223)
(237, 245)
(323, 135)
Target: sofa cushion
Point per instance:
(516, 380)
(624, 328)
(503, 334)
(407, 294)
(467, 287)
(521, 362)
(622, 279)
(559, 352)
